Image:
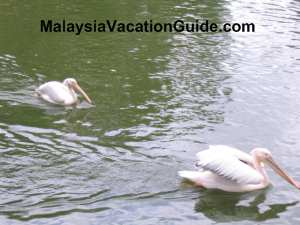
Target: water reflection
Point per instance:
(224, 207)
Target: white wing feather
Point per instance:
(54, 92)
(228, 150)
(225, 162)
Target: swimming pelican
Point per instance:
(61, 93)
(229, 169)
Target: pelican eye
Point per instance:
(267, 156)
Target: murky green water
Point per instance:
(159, 98)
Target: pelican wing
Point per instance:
(53, 92)
(228, 150)
(226, 163)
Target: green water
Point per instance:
(159, 98)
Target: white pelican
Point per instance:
(229, 169)
(61, 93)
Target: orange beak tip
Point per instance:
(91, 103)
(296, 184)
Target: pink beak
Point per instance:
(79, 89)
(282, 173)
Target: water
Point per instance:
(159, 99)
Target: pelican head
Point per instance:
(72, 84)
(262, 155)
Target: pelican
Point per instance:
(229, 169)
(61, 93)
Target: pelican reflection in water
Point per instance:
(228, 207)
(229, 169)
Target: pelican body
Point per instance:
(61, 93)
(229, 169)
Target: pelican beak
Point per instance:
(282, 173)
(79, 89)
